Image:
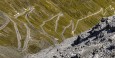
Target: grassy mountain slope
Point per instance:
(32, 25)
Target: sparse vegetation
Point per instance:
(48, 20)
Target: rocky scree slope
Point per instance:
(97, 42)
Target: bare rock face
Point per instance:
(97, 42)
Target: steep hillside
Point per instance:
(98, 42)
(28, 26)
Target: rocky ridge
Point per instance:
(97, 42)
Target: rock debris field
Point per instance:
(97, 42)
